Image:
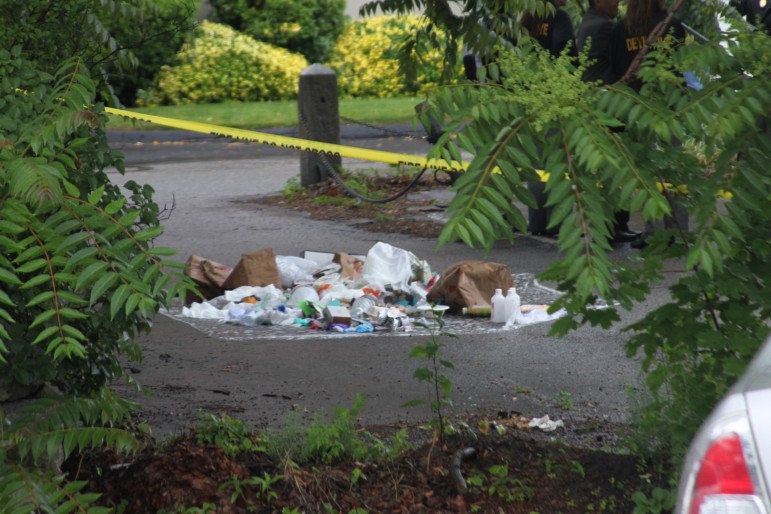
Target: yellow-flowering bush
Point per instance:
(367, 62)
(219, 63)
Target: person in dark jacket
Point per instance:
(630, 34)
(758, 12)
(595, 30)
(554, 32)
(627, 39)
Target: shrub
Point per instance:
(45, 432)
(121, 42)
(79, 277)
(220, 64)
(154, 42)
(366, 59)
(307, 27)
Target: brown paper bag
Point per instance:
(255, 269)
(215, 272)
(470, 282)
(208, 276)
(350, 266)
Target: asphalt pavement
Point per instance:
(209, 186)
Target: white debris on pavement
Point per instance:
(546, 424)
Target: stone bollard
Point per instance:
(319, 120)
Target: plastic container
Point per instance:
(362, 304)
(498, 309)
(477, 311)
(432, 312)
(302, 293)
(512, 306)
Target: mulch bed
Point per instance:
(405, 215)
(521, 471)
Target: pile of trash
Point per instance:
(389, 289)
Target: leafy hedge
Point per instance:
(366, 59)
(307, 27)
(220, 64)
(159, 34)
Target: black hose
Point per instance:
(455, 472)
(356, 194)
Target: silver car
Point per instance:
(728, 463)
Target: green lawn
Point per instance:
(257, 115)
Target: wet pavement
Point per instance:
(261, 374)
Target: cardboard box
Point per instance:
(337, 314)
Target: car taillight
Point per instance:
(723, 483)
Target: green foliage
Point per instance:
(439, 386)
(233, 436)
(153, 42)
(498, 482)
(659, 501)
(341, 201)
(564, 400)
(306, 27)
(51, 428)
(324, 440)
(109, 36)
(397, 445)
(219, 64)
(328, 441)
(293, 188)
(368, 62)
(51, 32)
(357, 475)
(79, 276)
(477, 24)
(206, 508)
(264, 488)
(607, 149)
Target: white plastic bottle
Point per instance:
(512, 305)
(498, 309)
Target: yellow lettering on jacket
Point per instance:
(635, 43)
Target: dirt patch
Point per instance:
(408, 214)
(510, 469)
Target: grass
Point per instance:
(256, 115)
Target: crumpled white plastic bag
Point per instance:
(270, 296)
(388, 265)
(295, 270)
(531, 317)
(546, 424)
(204, 311)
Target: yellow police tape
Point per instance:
(294, 143)
(304, 145)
